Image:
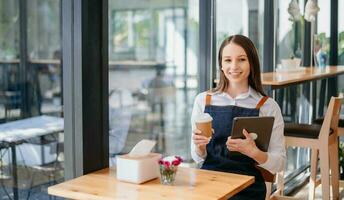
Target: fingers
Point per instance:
(197, 132)
(200, 139)
(232, 146)
(245, 133)
(200, 142)
(233, 141)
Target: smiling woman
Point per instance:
(238, 94)
(239, 58)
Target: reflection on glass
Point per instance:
(341, 43)
(9, 30)
(289, 33)
(322, 38)
(341, 33)
(289, 44)
(30, 89)
(152, 74)
(240, 17)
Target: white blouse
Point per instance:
(276, 151)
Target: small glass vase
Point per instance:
(168, 175)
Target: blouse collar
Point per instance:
(251, 92)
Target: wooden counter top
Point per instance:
(190, 183)
(283, 79)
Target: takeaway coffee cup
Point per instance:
(203, 123)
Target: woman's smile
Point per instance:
(235, 73)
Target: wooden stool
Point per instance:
(323, 141)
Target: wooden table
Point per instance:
(135, 65)
(277, 80)
(190, 183)
(13, 133)
(45, 61)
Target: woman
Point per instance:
(239, 93)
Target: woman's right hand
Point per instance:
(200, 142)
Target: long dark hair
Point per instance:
(254, 79)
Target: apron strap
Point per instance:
(207, 99)
(261, 102)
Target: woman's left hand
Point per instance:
(245, 146)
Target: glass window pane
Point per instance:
(43, 30)
(341, 44)
(340, 32)
(289, 44)
(9, 30)
(153, 74)
(44, 52)
(30, 98)
(322, 38)
(289, 41)
(240, 17)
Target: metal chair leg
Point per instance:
(31, 184)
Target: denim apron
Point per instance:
(220, 159)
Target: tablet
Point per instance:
(261, 126)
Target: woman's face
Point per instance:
(235, 64)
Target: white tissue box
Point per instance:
(138, 170)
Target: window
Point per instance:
(44, 53)
(152, 74)
(289, 44)
(9, 30)
(322, 38)
(289, 41)
(341, 43)
(31, 97)
(240, 17)
(341, 33)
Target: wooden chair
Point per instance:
(278, 193)
(323, 141)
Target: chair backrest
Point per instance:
(331, 118)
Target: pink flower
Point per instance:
(170, 161)
(175, 162)
(179, 158)
(166, 164)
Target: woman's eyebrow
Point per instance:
(237, 56)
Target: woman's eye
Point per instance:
(228, 60)
(242, 59)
